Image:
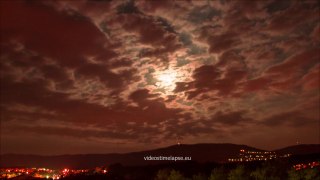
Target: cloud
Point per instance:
(231, 118)
(89, 70)
(223, 42)
(77, 35)
(310, 80)
(71, 132)
(292, 118)
(212, 78)
(301, 61)
(299, 13)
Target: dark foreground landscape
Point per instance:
(208, 161)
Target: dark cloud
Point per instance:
(310, 80)
(277, 6)
(42, 29)
(211, 78)
(122, 63)
(128, 8)
(146, 27)
(231, 118)
(141, 95)
(257, 84)
(299, 13)
(292, 118)
(102, 72)
(301, 61)
(204, 13)
(223, 42)
(73, 132)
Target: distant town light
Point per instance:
(256, 156)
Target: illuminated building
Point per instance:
(245, 156)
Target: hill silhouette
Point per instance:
(300, 149)
(198, 152)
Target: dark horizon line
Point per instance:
(113, 153)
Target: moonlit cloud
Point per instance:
(133, 75)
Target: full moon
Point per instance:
(167, 80)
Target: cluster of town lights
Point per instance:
(306, 165)
(45, 173)
(256, 156)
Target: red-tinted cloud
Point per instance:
(149, 73)
(66, 38)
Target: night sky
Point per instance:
(122, 76)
